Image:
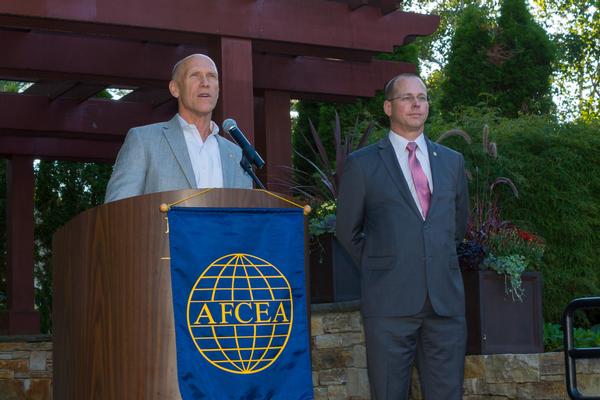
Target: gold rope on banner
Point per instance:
(307, 209)
(166, 207)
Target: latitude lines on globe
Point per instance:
(240, 313)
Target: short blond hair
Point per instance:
(389, 87)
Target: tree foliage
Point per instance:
(434, 49)
(13, 86)
(504, 63)
(576, 26)
(523, 55)
(62, 190)
(574, 29)
(469, 75)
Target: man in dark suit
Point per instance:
(402, 209)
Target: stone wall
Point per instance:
(526, 376)
(339, 366)
(339, 362)
(25, 368)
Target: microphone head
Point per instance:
(228, 124)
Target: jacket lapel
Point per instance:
(226, 165)
(174, 136)
(387, 154)
(434, 165)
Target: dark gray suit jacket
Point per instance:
(401, 257)
(154, 158)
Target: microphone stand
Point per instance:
(248, 168)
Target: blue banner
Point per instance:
(239, 303)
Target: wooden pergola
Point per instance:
(268, 52)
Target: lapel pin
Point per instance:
(434, 154)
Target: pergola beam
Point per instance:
(152, 96)
(317, 23)
(51, 57)
(386, 6)
(326, 77)
(88, 59)
(53, 148)
(354, 4)
(93, 119)
(50, 89)
(83, 91)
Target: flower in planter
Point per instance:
(511, 252)
(512, 240)
(511, 267)
(493, 243)
(471, 254)
(322, 220)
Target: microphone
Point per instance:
(250, 153)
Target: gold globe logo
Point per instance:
(240, 313)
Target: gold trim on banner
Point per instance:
(166, 207)
(307, 209)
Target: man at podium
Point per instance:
(187, 151)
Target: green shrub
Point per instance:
(557, 171)
(553, 337)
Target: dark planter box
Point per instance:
(333, 277)
(495, 323)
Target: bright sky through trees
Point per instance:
(574, 26)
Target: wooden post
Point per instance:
(234, 62)
(21, 317)
(274, 138)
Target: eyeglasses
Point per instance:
(409, 98)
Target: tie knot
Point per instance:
(411, 147)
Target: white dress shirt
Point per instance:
(204, 155)
(399, 144)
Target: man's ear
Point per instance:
(174, 89)
(387, 108)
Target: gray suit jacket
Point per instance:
(401, 257)
(155, 158)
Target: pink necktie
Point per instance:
(419, 178)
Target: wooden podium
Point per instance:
(112, 310)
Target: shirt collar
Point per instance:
(214, 128)
(400, 142)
